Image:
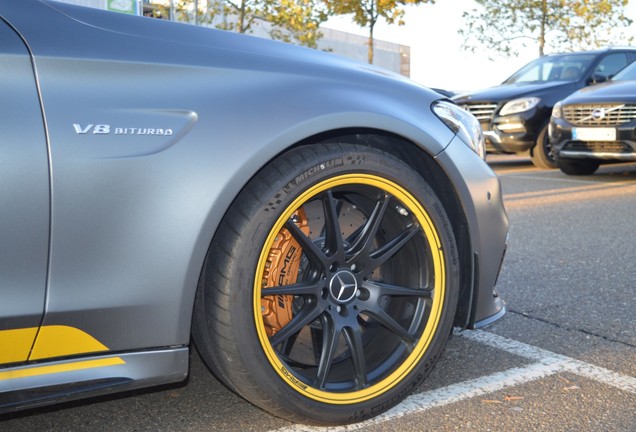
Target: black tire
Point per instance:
(578, 167)
(541, 153)
(358, 259)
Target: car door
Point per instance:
(24, 201)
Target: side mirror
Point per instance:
(597, 78)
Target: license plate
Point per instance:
(594, 134)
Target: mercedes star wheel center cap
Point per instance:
(343, 286)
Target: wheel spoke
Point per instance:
(353, 338)
(288, 345)
(311, 250)
(309, 312)
(297, 289)
(333, 236)
(386, 252)
(364, 240)
(330, 337)
(390, 324)
(381, 289)
(316, 343)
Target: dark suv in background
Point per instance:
(596, 125)
(515, 115)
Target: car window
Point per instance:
(611, 64)
(629, 73)
(567, 67)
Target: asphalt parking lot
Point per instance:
(562, 359)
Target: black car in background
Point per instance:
(515, 114)
(596, 125)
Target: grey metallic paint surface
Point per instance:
(482, 201)
(133, 215)
(24, 230)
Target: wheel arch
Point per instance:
(420, 159)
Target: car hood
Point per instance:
(622, 91)
(506, 92)
(184, 44)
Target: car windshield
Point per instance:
(565, 67)
(627, 74)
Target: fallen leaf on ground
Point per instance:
(512, 398)
(574, 387)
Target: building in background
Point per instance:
(124, 6)
(388, 55)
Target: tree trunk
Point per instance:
(544, 18)
(241, 18)
(370, 42)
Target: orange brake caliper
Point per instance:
(281, 269)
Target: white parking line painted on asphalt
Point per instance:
(596, 373)
(546, 363)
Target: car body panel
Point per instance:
(517, 90)
(625, 91)
(152, 130)
(484, 206)
(24, 213)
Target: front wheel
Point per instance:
(541, 153)
(330, 289)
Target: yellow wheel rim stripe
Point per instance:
(426, 338)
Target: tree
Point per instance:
(182, 11)
(291, 20)
(295, 21)
(366, 13)
(505, 26)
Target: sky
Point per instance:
(437, 59)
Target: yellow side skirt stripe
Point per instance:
(60, 368)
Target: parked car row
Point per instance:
(573, 111)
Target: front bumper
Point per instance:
(479, 191)
(512, 133)
(564, 146)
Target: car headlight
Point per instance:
(519, 105)
(463, 124)
(557, 110)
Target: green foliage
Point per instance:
(294, 21)
(506, 26)
(366, 13)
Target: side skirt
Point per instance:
(46, 383)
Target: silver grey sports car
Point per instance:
(318, 226)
